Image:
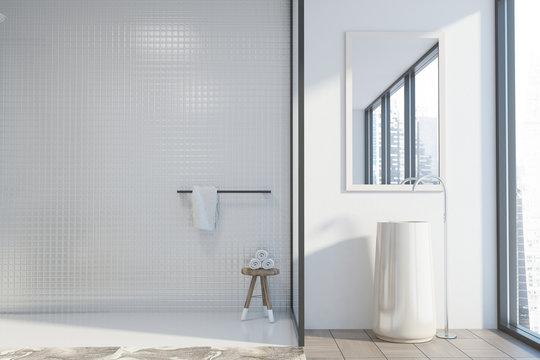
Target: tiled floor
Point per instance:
(362, 344)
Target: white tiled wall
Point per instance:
(106, 109)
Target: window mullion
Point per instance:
(410, 168)
(511, 159)
(385, 137)
(412, 124)
(368, 145)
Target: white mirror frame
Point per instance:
(349, 184)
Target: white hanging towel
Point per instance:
(204, 201)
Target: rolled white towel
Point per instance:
(261, 255)
(255, 264)
(268, 264)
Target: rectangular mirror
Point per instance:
(393, 108)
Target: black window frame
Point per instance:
(507, 247)
(407, 80)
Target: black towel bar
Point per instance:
(232, 191)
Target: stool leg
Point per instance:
(268, 303)
(248, 299)
(263, 292)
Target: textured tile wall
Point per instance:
(106, 109)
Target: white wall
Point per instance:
(340, 226)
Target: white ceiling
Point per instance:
(378, 61)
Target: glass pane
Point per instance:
(397, 136)
(527, 92)
(376, 150)
(427, 119)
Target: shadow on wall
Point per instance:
(348, 272)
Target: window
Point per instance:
(518, 124)
(402, 125)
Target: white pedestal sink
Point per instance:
(404, 297)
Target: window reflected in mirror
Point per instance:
(402, 125)
(376, 146)
(397, 136)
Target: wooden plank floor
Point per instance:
(362, 344)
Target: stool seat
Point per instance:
(262, 274)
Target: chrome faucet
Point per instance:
(418, 181)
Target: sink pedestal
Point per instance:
(404, 297)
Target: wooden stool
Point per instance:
(263, 273)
